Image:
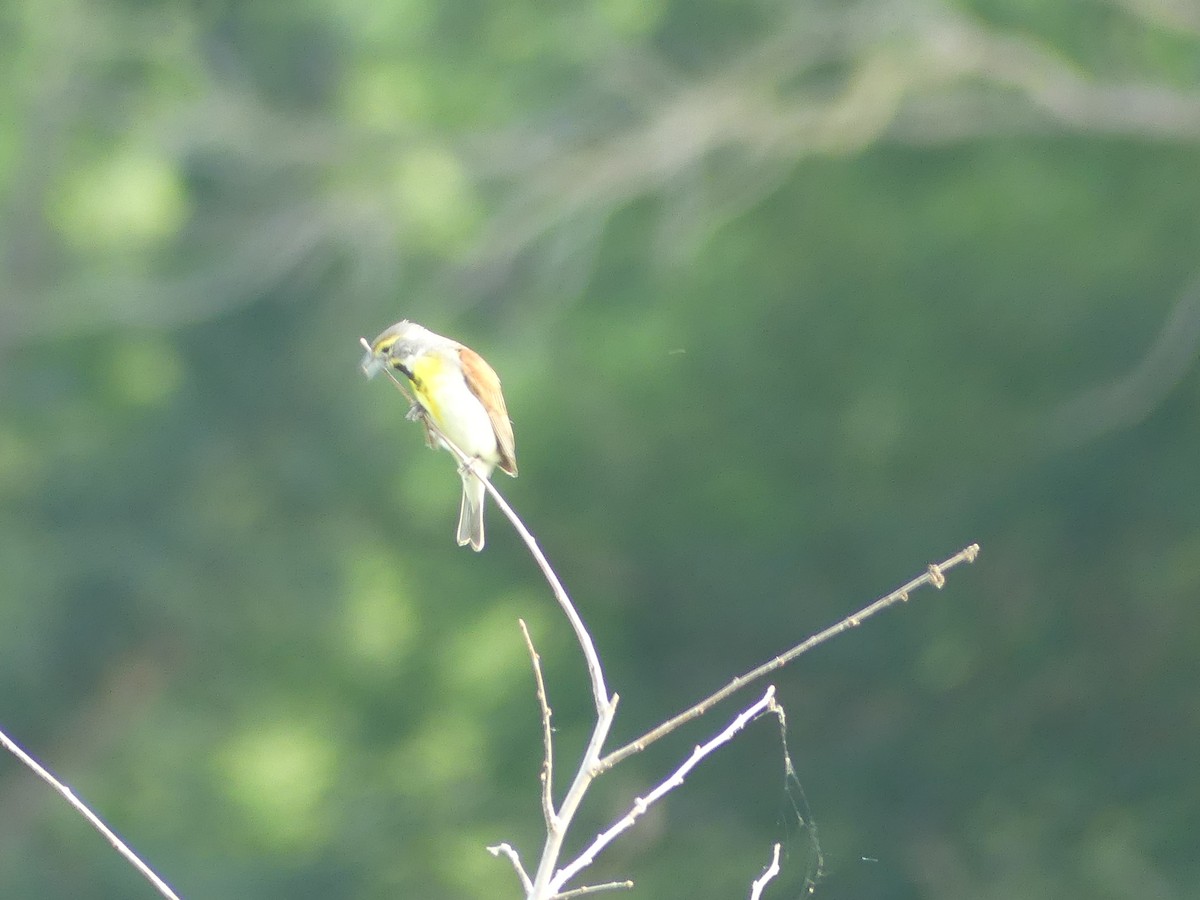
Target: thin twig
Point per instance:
(595, 672)
(674, 780)
(594, 889)
(547, 733)
(543, 880)
(762, 880)
(94, 820)
(933, 575)
(506, 849)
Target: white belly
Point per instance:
(460, 414)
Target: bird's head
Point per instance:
(396, 347)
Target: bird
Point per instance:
(460, 392)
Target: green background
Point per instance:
(789, 300)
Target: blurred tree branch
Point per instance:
(710, 142)
(1128, 400)
(911, 74)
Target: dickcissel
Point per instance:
(461, 393)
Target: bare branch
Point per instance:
(595, 672)
(594, 889)
(674, 780)
(933, 575)
(587, 772)
(547, 733)
(762, 880)
(506, 849)
(94, 820)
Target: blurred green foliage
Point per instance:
(788, 300)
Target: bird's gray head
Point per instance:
(397, 346)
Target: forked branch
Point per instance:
(674, 780)
(756, 888)
(549, 881)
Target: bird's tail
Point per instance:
(470, 513)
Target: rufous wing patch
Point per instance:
(485, 384)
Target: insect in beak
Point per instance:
(372, 363)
